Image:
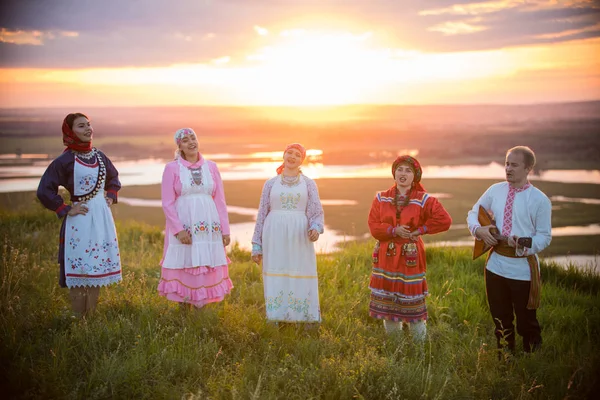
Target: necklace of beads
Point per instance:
(290, 180)
(85, 156)
(196, 175)
(101, 176)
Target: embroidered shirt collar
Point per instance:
(521, 189)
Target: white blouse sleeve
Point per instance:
(314, 209)
(263, 211)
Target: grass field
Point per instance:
(140, 346)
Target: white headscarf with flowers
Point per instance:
(179, 135)
(183, 132)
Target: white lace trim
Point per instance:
(73, 282)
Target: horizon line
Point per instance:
(316, 106)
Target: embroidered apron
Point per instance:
(91, 248)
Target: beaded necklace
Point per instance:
(101, 175)
(290, 180)
(196, 175)
(85, 156)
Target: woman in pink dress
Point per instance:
(194, 265)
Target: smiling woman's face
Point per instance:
(189, 145)
(292, 158)
(83, 129)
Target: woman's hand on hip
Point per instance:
(79, 208)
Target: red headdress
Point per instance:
(71, 140)
(414, 165)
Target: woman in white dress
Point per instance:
(289, 220)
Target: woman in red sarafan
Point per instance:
(398, 218)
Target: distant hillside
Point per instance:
(564, 135)
(160, 120)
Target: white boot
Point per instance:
(419, 331)
(392, 326)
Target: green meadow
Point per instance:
(140, 346)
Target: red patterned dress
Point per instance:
(398, 283)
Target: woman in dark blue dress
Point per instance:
(88, 251)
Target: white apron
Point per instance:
(198, 213)
(291, 285)
(91, 248)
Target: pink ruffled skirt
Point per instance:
(197, 286)
(197, 274)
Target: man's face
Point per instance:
(516, 172)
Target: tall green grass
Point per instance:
(138, 345)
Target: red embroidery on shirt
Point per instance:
(508, 208)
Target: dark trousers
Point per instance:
(506, 298)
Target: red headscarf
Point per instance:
(296, 146)
(414, 165)
(71, 140)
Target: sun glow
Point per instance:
(309, 67)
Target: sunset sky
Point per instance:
(283, 52)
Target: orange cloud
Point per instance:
(33, 37)
(457, 28)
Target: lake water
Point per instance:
(262, 166)
(331, 240)
(18, 178)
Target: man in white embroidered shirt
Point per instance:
(512, 278)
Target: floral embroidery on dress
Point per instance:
(96, 262)
(201, 228)
(79, 264)
(216, 227)
(88, 182)
(297, 304)
(74, 242)
(289, 201)
(274, 303)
